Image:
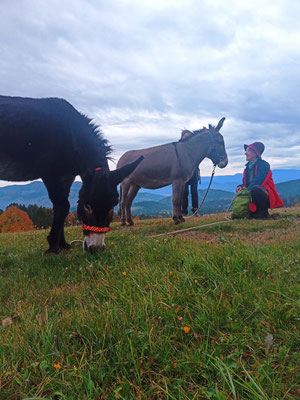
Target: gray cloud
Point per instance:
(145, 70)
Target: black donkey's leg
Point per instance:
(58, 190)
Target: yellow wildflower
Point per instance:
(195, 281)
(74, 367)
(171, 273)
(57, 365)
(124, 273)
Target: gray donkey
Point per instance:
(171, 163)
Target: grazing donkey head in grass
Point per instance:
(97, 199)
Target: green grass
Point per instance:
(110, 325)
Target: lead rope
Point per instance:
(76, 241)
(190, 229)
(226, 219)
(211, 178)
(229, 208)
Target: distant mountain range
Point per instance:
(215, 202)
(230, 182)
(159, 201)
(33, 193)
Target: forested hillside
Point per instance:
(146, 202)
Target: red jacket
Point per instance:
(268, 183)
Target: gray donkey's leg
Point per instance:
(130, 197)
(125, 186)
(177, 193)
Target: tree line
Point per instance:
(18, 218)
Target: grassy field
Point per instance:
(207, 314)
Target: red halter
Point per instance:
(96, 229)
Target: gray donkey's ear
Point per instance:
(220, 124)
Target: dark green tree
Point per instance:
(40, 216)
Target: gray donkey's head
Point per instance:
(217, 153)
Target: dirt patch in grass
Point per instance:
(266, 236)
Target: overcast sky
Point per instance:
(145, 69)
